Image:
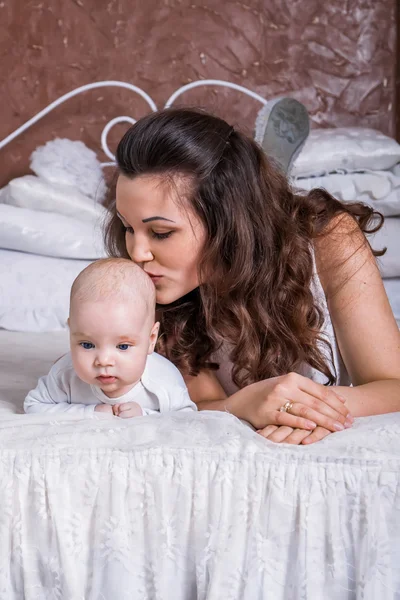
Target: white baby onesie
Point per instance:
(160, 389)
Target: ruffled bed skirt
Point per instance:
(196, 507)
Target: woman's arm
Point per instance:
(366, 331)
(259, 403)
(367, 334)
(368, 339)
(206, 391)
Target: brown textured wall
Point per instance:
(337, 57)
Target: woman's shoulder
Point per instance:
(340, 251)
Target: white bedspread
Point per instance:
(187, 507)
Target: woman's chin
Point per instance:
(164, 297)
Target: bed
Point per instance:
(113, 509)
(185, 507)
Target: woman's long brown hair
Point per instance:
(257, 262)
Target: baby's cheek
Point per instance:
(81, 365)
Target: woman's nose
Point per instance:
(139, 249)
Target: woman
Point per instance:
(270, 301)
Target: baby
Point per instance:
(112, 367)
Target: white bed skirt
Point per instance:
(196, 507)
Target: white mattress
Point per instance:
(189, 507)
(24, 357)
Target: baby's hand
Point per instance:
(127, 410)
(104, 408)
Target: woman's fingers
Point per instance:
(297, 437)
(314, 402)
(268, 430)
(304, 410)
(286, 435)
(317, 435)
(311, 405)
(279, 435)
(285, 418)
(339, 413)
(324, 397)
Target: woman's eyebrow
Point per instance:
(156, 219)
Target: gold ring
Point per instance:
(286, 407)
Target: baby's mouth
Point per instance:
(104, 379)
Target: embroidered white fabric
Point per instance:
(379, 189)
(188, 508)
(195, 507)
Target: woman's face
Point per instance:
(163, 235)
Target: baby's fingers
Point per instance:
(124, 407)
(126, 415)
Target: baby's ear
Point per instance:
(153, 337)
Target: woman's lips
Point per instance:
(106, 378)
(154, 278)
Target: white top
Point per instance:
(161, 389)
(337, 367)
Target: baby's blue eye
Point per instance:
(123, 346)
(87, 345)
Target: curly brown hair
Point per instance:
(257, 264)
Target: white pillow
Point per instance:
(379, 189)
(345, 149)
(38, 194)
(389, 237)
(49, 234)
(34, 291)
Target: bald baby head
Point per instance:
(114, 279)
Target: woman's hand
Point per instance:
(288, 435)
(312, 404)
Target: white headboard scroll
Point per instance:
(125, 119)
(216, 82)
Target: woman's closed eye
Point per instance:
(154, 234)
(161, 236)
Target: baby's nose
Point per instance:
(104, 360)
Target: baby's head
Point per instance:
(112, 324)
